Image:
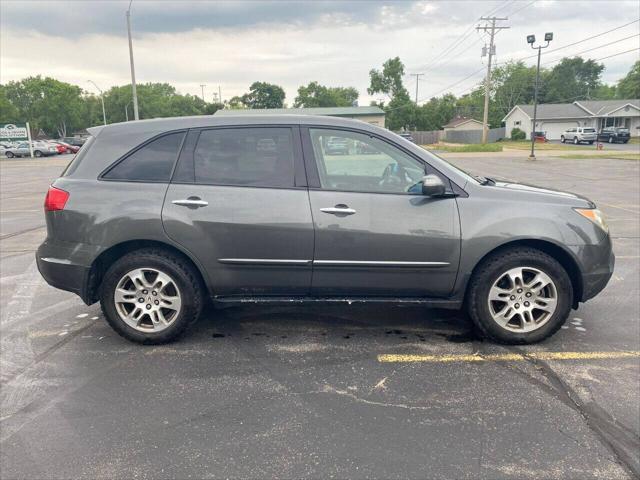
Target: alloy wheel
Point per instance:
(522, 299)
(147, 300)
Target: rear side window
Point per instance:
(73, 165)
(260, 157)
(151, 163)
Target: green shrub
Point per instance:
(517, 134)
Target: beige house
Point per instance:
(555, 118)
(372, 115)
(462, 123)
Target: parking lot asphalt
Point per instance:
(347, 391)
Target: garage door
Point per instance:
(555, 129)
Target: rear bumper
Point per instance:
(60, 272)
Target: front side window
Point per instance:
(152, 162)
(259, 157)
(357, 162)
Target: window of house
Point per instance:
(517, 123)
(260, 156)
(151, 163)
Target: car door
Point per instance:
(373, 237)
(238, 202)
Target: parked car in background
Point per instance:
(579, 135)
(70, 148)
(614, 135)
(153, 218)
(59, 147)
(337, 146)
(540, 137)
(78, 142)
(40, 149)
(407, 135)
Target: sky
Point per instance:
(231, 44)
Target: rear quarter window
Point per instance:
(73, 164)
(152, 162)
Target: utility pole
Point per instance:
(220, 94)
(531, 39)
(492, 28)
(417, 75)
(202, 87)
(133, 70)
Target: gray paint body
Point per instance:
(268, 243)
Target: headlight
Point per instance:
(595, 216)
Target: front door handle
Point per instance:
(340, 209)
(191, 202)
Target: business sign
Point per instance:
(12, 132)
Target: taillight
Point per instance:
(55, 199)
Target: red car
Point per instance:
(67, 147)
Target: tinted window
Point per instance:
(245, 156)
(73, 165)
(589, 130)
(359, 163)
(151, 163)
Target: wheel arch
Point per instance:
(106, 258)
(553, 250)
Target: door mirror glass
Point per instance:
(432, 186)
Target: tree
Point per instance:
(400, 110)
(511, 84)
(316, 95)
(8, 111)
(48, 104)
(264, 95)
(629, 86)
(572, 79)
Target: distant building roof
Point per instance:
(578, 109)
(329, 111)
(459, 121)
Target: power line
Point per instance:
(594, 48)
(579, 41)
(456, 43)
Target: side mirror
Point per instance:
(432, 186)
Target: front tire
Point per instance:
(9, 154)
(575, 140)
(37, 153)
(562, 139)
(151, 296)
(610, 139)
(519, 296)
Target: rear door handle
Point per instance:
(339, 210)
(191, 202)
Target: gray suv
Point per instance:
(152, 218)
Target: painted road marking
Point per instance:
(507, 357)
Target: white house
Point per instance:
(555, 118)
(372, 115)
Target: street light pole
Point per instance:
(104, 114)
(202, 87)
(133, 70)
(531, 39)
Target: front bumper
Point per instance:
(598, 264)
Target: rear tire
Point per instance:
(486, 313)
(562, 139)
(575, 140)
(9, 154)
(179, 282)
(610, 139)
(590, 142)
(37, 153)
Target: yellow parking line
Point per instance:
(507, 357)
